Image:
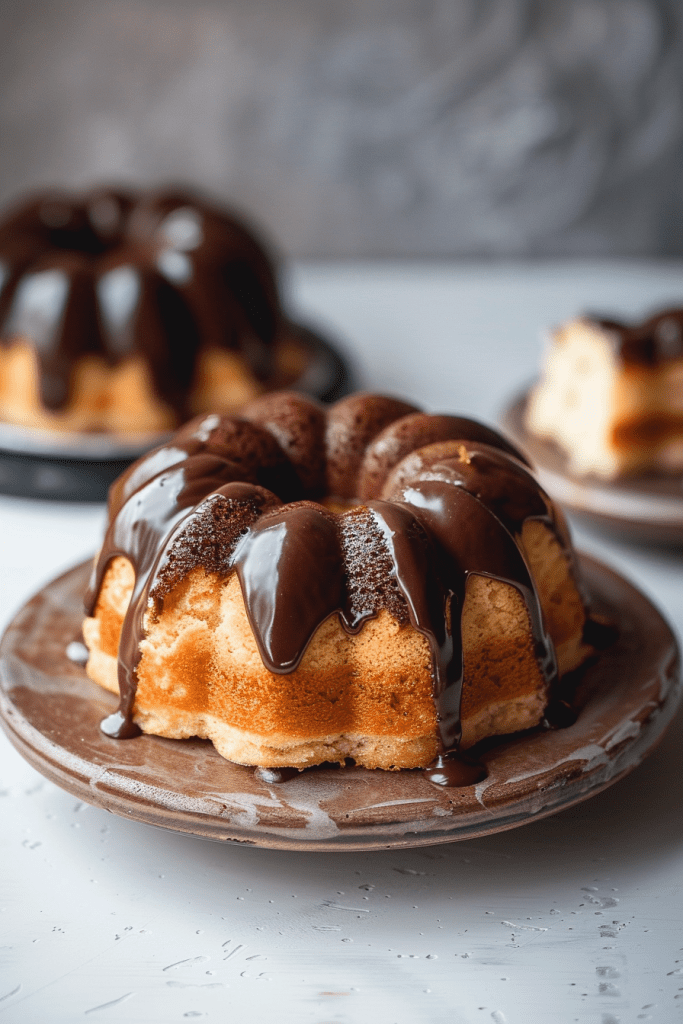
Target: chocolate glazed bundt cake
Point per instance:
(303, 584)
(131, 312)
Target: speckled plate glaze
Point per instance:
(80, 467)
(51, 712)
(647, 509)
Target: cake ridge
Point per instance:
(502, 483)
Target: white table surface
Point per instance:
(578, 917)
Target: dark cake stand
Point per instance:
(45, 464)
(51, 712)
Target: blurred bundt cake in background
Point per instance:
(130, 311)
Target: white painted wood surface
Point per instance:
(575, 918)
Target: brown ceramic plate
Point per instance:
(51, 712)
(648, 508)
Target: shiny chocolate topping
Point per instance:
(253, 450)
(446, 511)
(115, 274)
(471, 541)
(655, 340)
(502, 484)
(291, 574)
(136, 532)
(452, 772)
(402, 437)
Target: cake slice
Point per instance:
(611, 396)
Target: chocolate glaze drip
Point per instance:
(656, 340)
(290, 569)
(115, 274)
(137, 532)
(452, 772)
(559, 714)
(473, 541)
(456, 509)
(505, 487)
(428, 591)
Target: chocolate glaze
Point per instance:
(655, 340)
(559, 714)
(136, 532)
(472, 540)
(404, 436)
(351, 426)
(115, 274)
(452, 772)
(290, 569)
(298, 424)
(253, 449)
(505, 487)
(447, 511)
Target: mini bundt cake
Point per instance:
(304, 584)
(127, 312)
(611, 396)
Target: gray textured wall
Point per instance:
(366, 127)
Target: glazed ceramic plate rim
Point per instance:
(645, 504)
(410, 810)
(316, 379)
